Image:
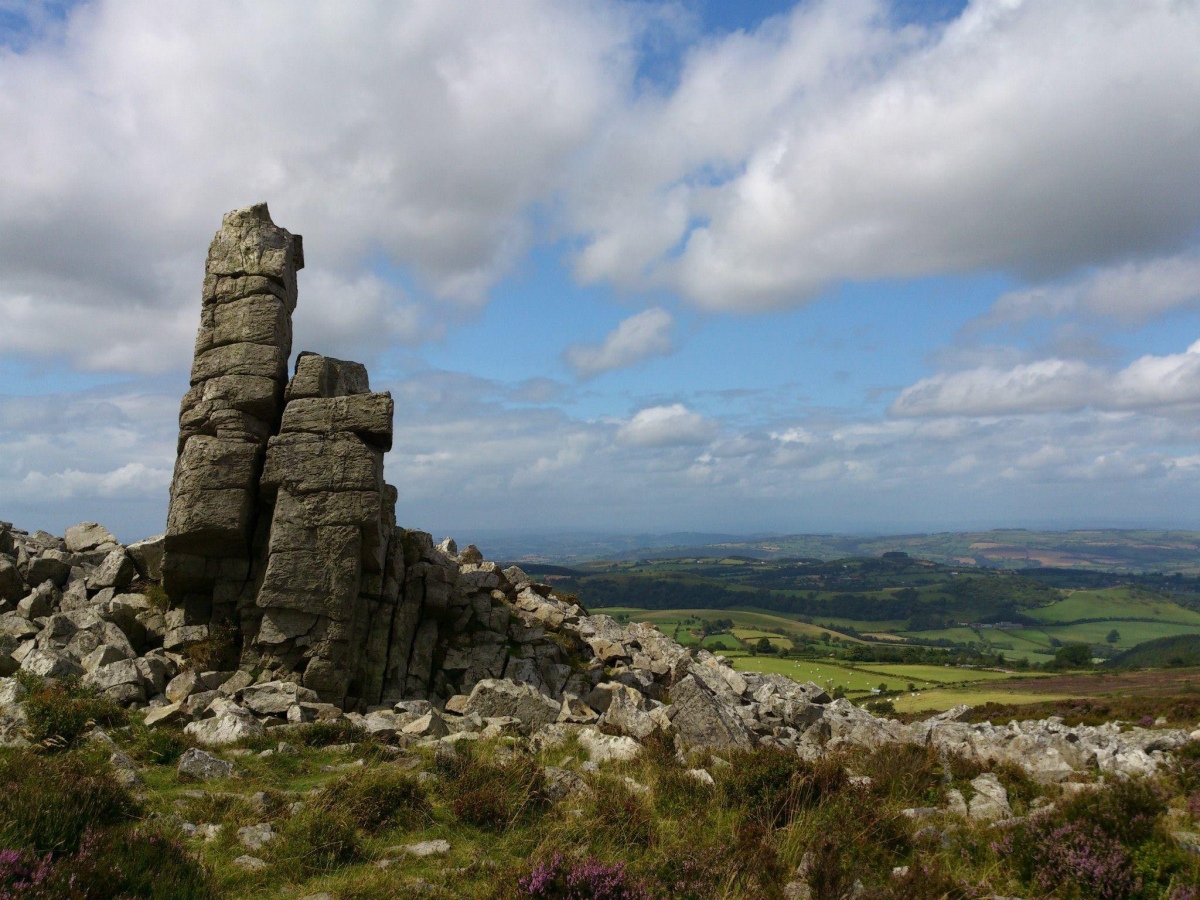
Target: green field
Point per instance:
(828, 675)
(750, 635)
(934, 674)
(667, 619)
(1113, 603)
(858, 680)
(949, 697)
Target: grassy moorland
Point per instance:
(325, 810)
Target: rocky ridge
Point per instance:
(527, 663)
(284, 592)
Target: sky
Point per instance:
(842, 266)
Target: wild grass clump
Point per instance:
(159, 746)
(317, 839)
(378, 798)
(328, 734)
(907, 773)
(59, 712)
(47, 803)
(490, 796)
(772, 785)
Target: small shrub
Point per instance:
(1082, 857)
(219, 651)
(59, 712)
(1125, 810)
(157, 597)
(24, 874)
(47, 803)
(589, 879)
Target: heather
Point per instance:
(508, 818)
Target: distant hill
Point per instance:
(1106, 550)
(1168, 652)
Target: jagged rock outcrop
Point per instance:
(282, 544)
(281, 529)
(492, 653)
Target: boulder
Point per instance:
(202, 765)
(255, 837)
(39, 604)
(627, 713)
(429, 725)
(171, 714)
(117, 571)
(224, 729)
(990, 800)
(88, 536)
(51, 664)
(47, 568)
(700, 720)
(147, 556)
(603, 748)
(423, 849)
(274, 698)
(12, 585)
(500, 697)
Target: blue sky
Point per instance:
(757, 266)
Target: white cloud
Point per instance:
(1133, 291)
(666, 426)
(828, 145)
(637, 338)
(1148, 383)
(420, 134)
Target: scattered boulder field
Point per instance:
(84, 606)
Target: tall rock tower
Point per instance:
(281, 530)
(234, 406)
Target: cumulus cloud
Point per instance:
(666, 426)
(637, 338)
(419, 134)
(829, 145)
(1147, 383)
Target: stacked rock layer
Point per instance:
(281, 531)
